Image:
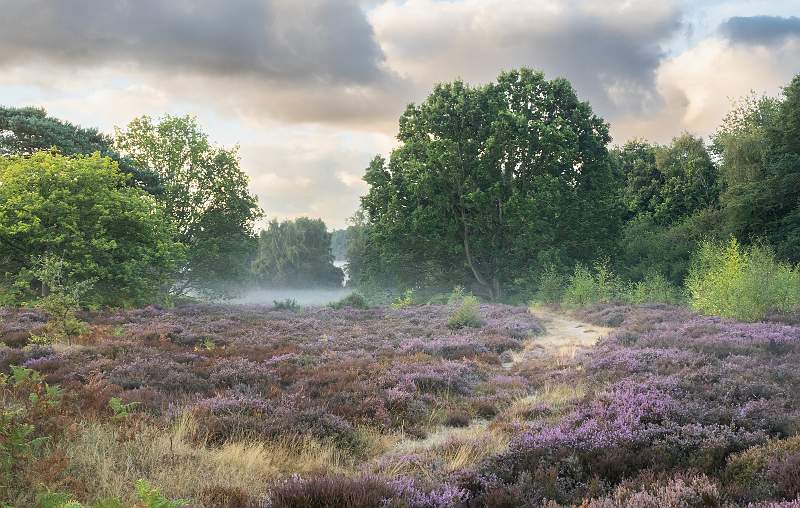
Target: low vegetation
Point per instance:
(392, 404)
(746, 283)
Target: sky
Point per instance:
(311, 90)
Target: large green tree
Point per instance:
(296, 253)
(205, 194)
(491, 183)
(760, 155)
(82, 210)
(25, 131)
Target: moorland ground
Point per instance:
(255, 406)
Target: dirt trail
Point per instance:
(563, 338)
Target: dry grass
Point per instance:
(108, 463)
(554, 397)
(446, 450)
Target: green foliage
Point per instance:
(152, 498)
(588, 287)
(551, 286)
(296, 253)
(354, 300)
(26, 131)
(149, 497)
(287, 304)
(61, 301)
(748, 471)
(24, 398)
(646, 246)
(406, 300)
(482, 184)
(205, 195)
(745, 283)
(120, 409)
(81, 210)
(760, 155)
(654, 288)
(466, 310)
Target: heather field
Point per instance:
(249, 406)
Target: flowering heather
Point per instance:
(672, 392)
(671, 409)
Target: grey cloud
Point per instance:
(323, 41)
(611, 60)
(760, 29)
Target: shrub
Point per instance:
(354, 300)
(588, 287)
(467, 313)
(742, 283)
(61, 303)
(331, 492)
(407, 300)
(765, 471)
(26, 402)
(287, 304)
(83, 208)
(654, 288)
(551, 287)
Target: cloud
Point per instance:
(767, 30)
(609, 51)
(699, 86)
(311, 171)
(323, 41)
(315, 61)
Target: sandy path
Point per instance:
(564, 337)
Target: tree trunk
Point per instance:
(493, 287)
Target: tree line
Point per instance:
(498, 186)
(154, 212)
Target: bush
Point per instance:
(331, 492)
(588, 287)
(467, 313)
(654, 288)
(83, 208)
(407, 300)
(742, 283)
(353, 300)
(61, 303)
(287, 304)
(765, 471)
(551, 287)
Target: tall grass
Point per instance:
(748, 284)
(108, 461)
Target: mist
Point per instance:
(267, 296)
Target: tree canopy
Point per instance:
(25, 131)
(296, 253)
(491, 182)
(205, 194)
(82, 210)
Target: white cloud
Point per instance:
(699, 86)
